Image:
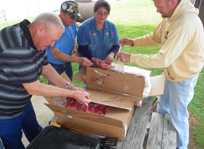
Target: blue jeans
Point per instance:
(66, 67)
(10, 130)
(174, 101)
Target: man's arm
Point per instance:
(74, 51)
(57, 54)
(40, 89)
(152, 39)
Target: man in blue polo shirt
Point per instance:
(59, 56)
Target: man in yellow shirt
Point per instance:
(181, 58)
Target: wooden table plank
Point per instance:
(169, 134)
(136, 131)
(155, 132)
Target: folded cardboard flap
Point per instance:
(157, 83)
(79, 74)
(98, 128)
(111, 100)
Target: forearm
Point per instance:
(40, 89)
(62, 56)
(152, 39)
(147, 40)
(75, 44)
(50, 73)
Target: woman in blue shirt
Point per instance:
(97, 37)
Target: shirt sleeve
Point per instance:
(85, 51)
(115, 49)
(82, 38)
(152, 39)
(169, 52)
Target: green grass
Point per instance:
(134, 18)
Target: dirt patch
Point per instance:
(193, 122)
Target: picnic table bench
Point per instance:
(162, 134)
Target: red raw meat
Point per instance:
(91, 108)
(72, 105)
(104, 65)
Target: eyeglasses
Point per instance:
(102, 14)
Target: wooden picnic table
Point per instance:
(137, 127)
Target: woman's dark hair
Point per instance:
(102, 3)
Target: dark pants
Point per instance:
(11, 129)
(66, 67)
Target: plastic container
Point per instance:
(52, 137)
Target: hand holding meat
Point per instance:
(81, 97)
(109, 59)
(96, 61)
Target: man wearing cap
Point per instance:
(59, 56)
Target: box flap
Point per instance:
(49, 99)
(112, 100)
(157, 83)
(72, 114)
(81, 72)
(114, 82)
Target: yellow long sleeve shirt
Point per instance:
(182, 52)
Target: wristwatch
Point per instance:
(67, 85)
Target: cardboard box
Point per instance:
(116, 90)
(122, 84)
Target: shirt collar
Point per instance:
(24, 26)
(94, 27)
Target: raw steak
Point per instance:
(91, 108)
(104, 65)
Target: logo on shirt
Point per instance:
(166, 36)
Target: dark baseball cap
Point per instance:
(72, 9)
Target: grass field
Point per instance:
(134, 18)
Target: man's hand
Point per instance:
(126, 41)
(124, 57)
(85, 62)
(82, 97)
(96, 61)
(74, 51)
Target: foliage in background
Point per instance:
(135, 18)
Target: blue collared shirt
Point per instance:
(65, 44)
(99, 42)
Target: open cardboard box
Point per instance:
(118, 91)
(122, 84)
(114, 124)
